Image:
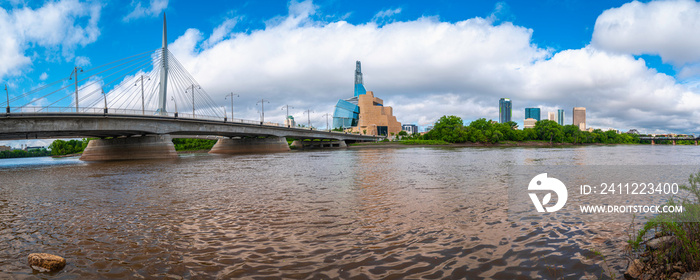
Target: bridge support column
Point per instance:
(652, 142)
(145, 147)
(319, 144)
(250, 145)
(674, 142)
(696, 142)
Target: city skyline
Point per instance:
(548, 55)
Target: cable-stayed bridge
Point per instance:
(138, 104)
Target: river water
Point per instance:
(362, 213)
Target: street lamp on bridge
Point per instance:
(105, 97)
(262, 111)
(75, 72)
(327, 126)
(8, 99)
(175, 103)
(143, 104)
(231, 95)
(287, 107)
(192, 89)
(308, 114)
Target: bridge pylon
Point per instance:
(163, 91)
(229, 146)
(130, 148)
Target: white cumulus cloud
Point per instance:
(426, 68)
(152, 9)
(670, 29)
(61, 25)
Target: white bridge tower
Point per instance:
(163, 92)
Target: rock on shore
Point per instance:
(44, 262)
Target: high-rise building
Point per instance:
(359, 85)
(505, 110)
(552, 116)
(529, 123)
(532, 113)
(560, 116)
(580, 117)
(410, 128)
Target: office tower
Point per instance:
(532, 113)
(552, 116)
(505, 110)
(560, 116)
(580, 117)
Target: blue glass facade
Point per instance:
(346, 114)
(560, 117)
(505, 110)
(532, 113)
(360, 89)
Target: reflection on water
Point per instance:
(369, 213)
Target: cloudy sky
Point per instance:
(631, 64)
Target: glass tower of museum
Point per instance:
(347, 112)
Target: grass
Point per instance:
(424, 142)
(683, 226)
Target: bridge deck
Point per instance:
(69, 125)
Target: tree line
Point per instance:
(451, 129)
(22, 153)
(62, 147)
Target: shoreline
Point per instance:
(68, 155)
(193, 152)
(456, 145)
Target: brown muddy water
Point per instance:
(428, 213)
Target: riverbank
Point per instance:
(68, 155)
(469, 144)
(193, 152)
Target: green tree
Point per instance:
(548, 130)
(61, 147)
(449, 129)
(572, 133)
(496, 136)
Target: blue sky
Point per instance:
(632, 64)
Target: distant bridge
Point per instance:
(673, 139)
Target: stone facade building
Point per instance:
(375, 118)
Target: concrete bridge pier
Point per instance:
(652, 142)
(144, 147)
(319, 144)
(250, 145)
(696, 142)
(674, 142)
